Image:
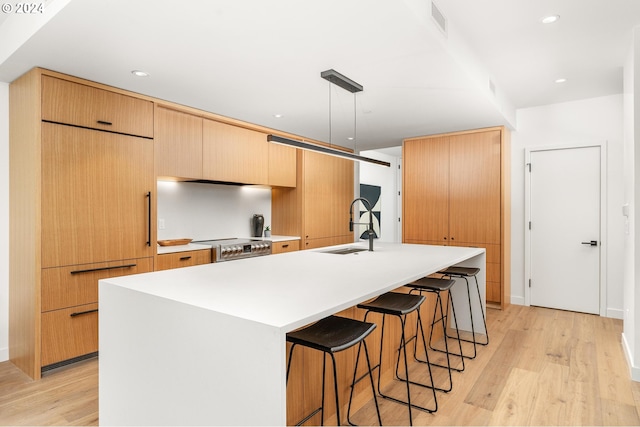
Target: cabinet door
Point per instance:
(178, 143)
(78, 284)
(282, 165)
(287, 246)
(426, 190)
(183, 259)
(474, 204)
(328, 192)
(234, 154)
(77, 104)
(69, 333)
(96, 203)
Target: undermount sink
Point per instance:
(345, 251)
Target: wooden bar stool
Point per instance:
(438, 286)
(399, 305)
(465, 273)
(332, 335)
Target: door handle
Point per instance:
(591, 243)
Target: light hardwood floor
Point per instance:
(542, 367)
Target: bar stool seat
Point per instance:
(332, 335)
(438, 286)
(400, 305)
(466, 273)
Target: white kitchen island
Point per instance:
(205, 345)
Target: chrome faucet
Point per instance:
(370, 231)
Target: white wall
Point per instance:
(586, 121)
(386, 178)
(4, 221)
(631, 262)
(210, 211)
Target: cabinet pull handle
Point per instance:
(91, 270)
(184, 258)
(285, 246)
(149, 219)
(102, 122)
(84, 312)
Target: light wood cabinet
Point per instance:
(183, 259)
(82, 205)
(282, 165)
(285, 246)
(68, 102)
(318, 208)
(96, 194)
(456, 192)
(178, 143)
(234, 154)
(77, 285)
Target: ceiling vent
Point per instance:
(439, 18)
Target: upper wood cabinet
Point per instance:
(456, 192)
(234, 154)
(77, 104)
(178, 141)
(318, 208)
(282, 165)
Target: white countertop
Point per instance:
(296, 288)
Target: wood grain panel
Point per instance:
(425, 182)
(282, 165)
(95, 188)
(475, 187)
(24, 218)
(77, 104)
(493, 252)
(69, 333)
(283, 247)
(76, 285)
(178, 144)
(328, 192)
(183, 259)
(234, 154)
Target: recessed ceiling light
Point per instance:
(561, 80)
(550, 19)
(277, 116)
(139, 73)
(350, 138)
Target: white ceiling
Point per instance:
(251, 59)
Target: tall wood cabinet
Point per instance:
(318, 209)
(81, 209)
(456, 192)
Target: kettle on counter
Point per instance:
(257, 225)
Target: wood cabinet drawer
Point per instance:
(287, 246)
(77, 104)
(78, 284)
(183, 259)
(69, 333)
(493, 251)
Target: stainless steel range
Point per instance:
(230, 249)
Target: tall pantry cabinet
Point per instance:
(82, 205)
(456, 193)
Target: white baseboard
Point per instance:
(4, 354)
(615, 313)
(633, 370)
(517, 300)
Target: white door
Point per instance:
(565, 229)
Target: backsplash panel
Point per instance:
(209, 211)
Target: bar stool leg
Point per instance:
(444, 320)
(353, 383)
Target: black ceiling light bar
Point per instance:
(324, 150)
(339, 80)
